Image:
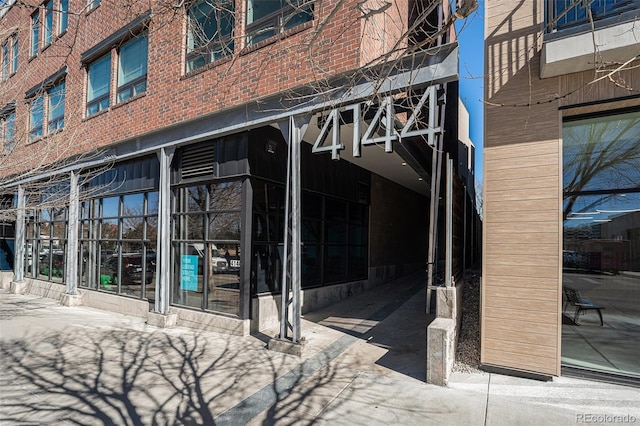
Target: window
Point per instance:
(63, 17)
(36, 115)
(568, 13)
(8, 131)
(47, 100)
(131, 62)
(210, 32)
(118, 229)
(5, 60)
(56, 107)
(206, 246)
(92, 4)
(14, 54)
(268, 18)
(98, 85)
(48, 22)
(601, 241)
(132, 68)
(35, 32)
(10, 56)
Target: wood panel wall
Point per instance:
(522, 247)
(521, 296)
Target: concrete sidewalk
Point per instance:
(363, 365)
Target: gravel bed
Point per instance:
(468, 350)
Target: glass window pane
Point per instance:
(99, 78)
(335, 264)
(602, 153)
(601, 243)
(225, 196)
(48, 21)
(133, 228)
(14, 56)
(266, 268)
(152, 203)
(35, 33)
(133, 204)
(196, 198)
(109, 229)
(195, 227)
(36, 115)
(224, 226)
(108, 270)
(133, 267)
(311, 272)
(188, 282)
(132, 62)
(64, 16)
(56, 107)
(110, 207)
(257, 9)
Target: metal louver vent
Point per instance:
(198, 161)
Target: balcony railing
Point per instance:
(561, 14)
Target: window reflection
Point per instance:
(601, 243)
(206, 250)
(118, 243)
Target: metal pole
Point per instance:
(163, 287)
(293, 130)
(436, 171)
(464, 233)
(18, 263)
(73, 259)
(449, 225)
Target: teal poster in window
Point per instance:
(189, 272)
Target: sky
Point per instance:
(471, 40)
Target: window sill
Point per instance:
(55, 132)
(207, 67)
(97, 114)
(277, 37)
(125, 102)
(44, 137)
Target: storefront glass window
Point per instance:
(601, 244)
(118, 237)
(206, 246)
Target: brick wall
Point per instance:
(329, 45)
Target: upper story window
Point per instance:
(46, 105)
(209, 33)
(48, 22)
(5, 60)
(8, 130)
(267, 18)
(36, 117)
(125, 53)
(63, 16)
(9, 56)
(35, 33)
(98, 85)
(92, 4)
(56, 107)
(132, 68)
(13, 64)
(570, 13)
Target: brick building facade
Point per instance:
(155, 157)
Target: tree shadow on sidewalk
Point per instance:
(105, 375)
